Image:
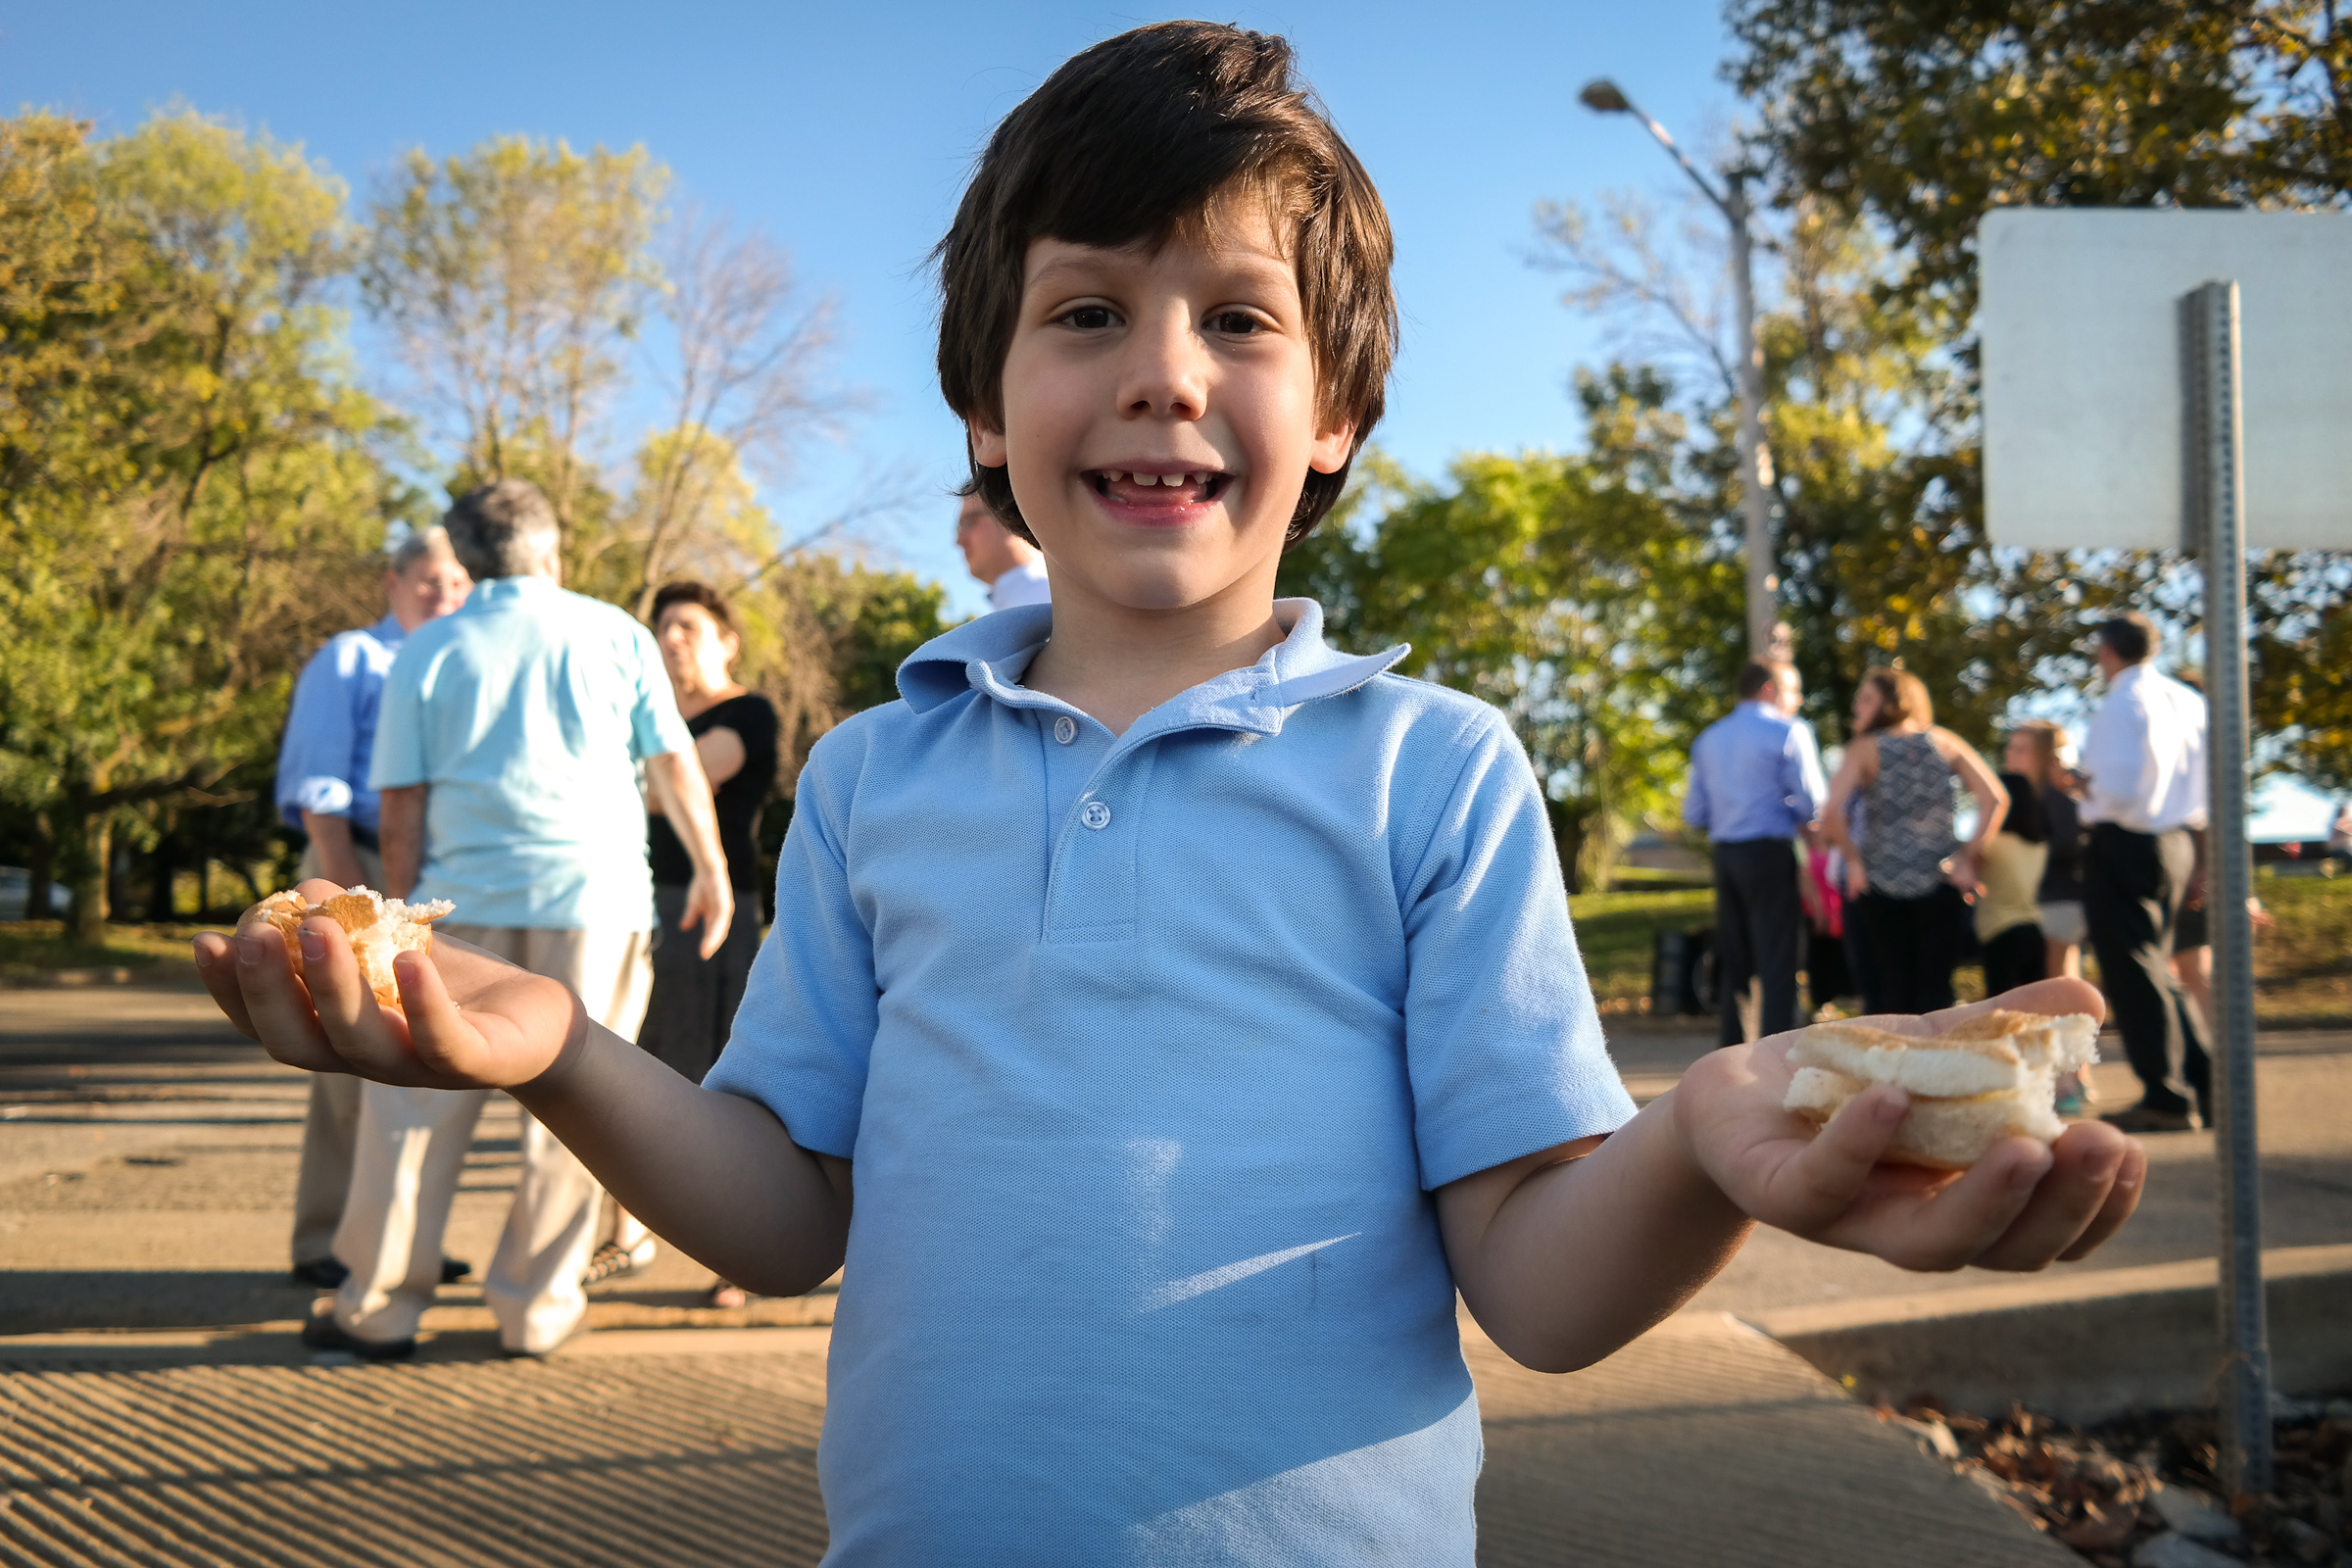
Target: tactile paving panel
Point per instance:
(629, 1461)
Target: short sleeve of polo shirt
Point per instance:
(1502, 1042)
(399, 757)
(656, 727)
(812, 986)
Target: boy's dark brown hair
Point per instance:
(1139, 139)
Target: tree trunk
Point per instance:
(163, 869)
(87, 847)
(1570, 820)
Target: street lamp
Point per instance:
(1764, 638)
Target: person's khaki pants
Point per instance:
(412, 1147)
(332, 1121)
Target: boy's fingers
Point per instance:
(347, 1010)
(443, 1042)
(2085, 1167)
(2049, 996)
(2122, 1196)
(217, 968)
(1818, 1185)
(1960, 1222)
(278, 1004)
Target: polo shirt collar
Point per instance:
(492, 591)
(388, 631)
(989, 654)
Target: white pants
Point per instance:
(333, 1120)
(411, 1149)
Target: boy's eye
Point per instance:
(1237, 323)
(1089, 318)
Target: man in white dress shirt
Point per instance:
(2146, 802)
(1010, 567)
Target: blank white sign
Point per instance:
(2079, 322)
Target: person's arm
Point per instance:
(722, 756)
(1800, 769)
(713, 1173)
(675, 781)
(330, 837)
(400, 832)
(1694, 793)
(1992, 803)
(1853, 773)
(1562, 1259)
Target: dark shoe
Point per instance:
(2146, 1118)
(325, 1272)
(328, 1274)
(323, 1333)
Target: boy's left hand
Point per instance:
(2023, 1206)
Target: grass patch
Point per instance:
(31, 947)
(1615, 931)
(2302, 964)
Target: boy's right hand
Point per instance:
(473, 1021)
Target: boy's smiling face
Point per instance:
(1160, 416)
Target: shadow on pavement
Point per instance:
(59, 1301)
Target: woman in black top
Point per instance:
(694, 999)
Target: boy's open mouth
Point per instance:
(1139, 489)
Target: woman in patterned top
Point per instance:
(1907, 886)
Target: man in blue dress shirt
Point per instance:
(322, 791)
(1755, 783)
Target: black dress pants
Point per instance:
(1913, 944)
(2131, 888)
(2014, 957)
(1758, 917)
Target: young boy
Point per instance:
(1284, 1037)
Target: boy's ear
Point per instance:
(1331, 449)
(988, 446)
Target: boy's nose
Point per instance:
(1166, 370)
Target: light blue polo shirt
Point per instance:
(1149, 1050)
(526, 713)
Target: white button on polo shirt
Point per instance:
(1065, 729)
(1096, 815)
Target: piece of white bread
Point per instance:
(1992, 1077)
(379, 927)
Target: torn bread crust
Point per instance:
(379, 927)
(1992, 1077)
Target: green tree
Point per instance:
(1925, 116)
(514, 280)
(1917, 121)
(1880, 553)
(190, 492)
(1562, 591)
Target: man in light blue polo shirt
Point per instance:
(507, 756)
(323, 793)
(1755, 782)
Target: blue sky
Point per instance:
(846, 133)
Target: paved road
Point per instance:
(154, 1407)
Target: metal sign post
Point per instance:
(2216, 499)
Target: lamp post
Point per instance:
(1764, 638)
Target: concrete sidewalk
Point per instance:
(1701, 1444)
(155, 1407)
